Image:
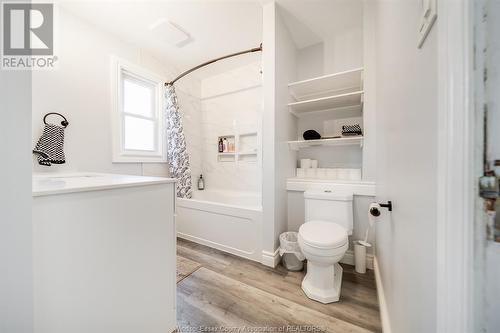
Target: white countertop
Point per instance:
(61, 183)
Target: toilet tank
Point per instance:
(329, 206)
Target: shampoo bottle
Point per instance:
(201, 183)
(224, 145)
(221, 146)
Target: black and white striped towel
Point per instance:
(351, 130)
(50, 146)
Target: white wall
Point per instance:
(80, 89)
(406, 102)
(339, 51)
(370, 93)
(268, 130)
(285, 122)
(344, 50)
(231, 102)
(16, 258)
(310, 62)
(279, 126)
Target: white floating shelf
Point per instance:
(226, 154)
(347, 141)
(327, 85)
(248, 153)
(357, 187)
(248, 134)
(327, 103)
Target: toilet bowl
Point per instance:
(323, 239)
(324, 244)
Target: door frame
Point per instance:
(456, 168)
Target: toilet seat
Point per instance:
(323, 234)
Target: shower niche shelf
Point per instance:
(226, 157)
(328, 92)
(230, 155)
(245, 148)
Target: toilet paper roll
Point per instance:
(331, 174)
(321, 173)
(301, 173)
(371, 217)
(305, 163)
(311, 173)
(342, 174)
(354, 174)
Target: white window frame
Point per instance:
(120, 154)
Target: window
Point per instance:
(137, 114)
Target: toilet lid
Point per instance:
(323, 234)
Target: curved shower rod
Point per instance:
(256, 49)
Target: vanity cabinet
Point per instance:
(104, 251)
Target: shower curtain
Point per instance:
(177, 154)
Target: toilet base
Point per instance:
(322, 282)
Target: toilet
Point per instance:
(323, 239)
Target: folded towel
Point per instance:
(351, 130)
(50, 146)
(311, 135)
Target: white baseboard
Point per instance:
(349, 259)
(240, 253)
(384, 314)
(270, 259)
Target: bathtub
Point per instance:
(226, 220)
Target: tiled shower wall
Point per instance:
(231, 103)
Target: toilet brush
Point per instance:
(361, 245)
(360, 251)
(371, 222)
(360, 254)
(365, 241)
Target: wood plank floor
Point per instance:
(226, 292)
(185, 267)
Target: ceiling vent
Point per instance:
(170, 33)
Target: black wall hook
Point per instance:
(64, 123)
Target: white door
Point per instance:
(406, 126)
(490, 96)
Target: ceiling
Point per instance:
(215, 27)
(312, 21)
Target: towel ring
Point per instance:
(64, 123)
